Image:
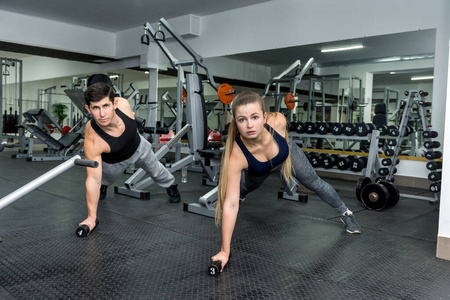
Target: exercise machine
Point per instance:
(196, 127)
(11, 79)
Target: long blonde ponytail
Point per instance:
(221, 193)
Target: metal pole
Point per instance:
(17, 194)
(1, 98)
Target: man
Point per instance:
(111, 139)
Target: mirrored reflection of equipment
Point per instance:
(190, 88)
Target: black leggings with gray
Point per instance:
(304, 173)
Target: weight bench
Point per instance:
(66, 141)
(210, 163)
(57, 149)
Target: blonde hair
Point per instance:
(243, 98)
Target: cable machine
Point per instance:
(11, 96)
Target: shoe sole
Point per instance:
(349, 231)
(176, 200)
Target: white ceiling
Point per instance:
(118, 15)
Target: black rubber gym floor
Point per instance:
(155, 250)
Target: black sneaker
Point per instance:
(350, 223)
(174, 195)
(103, 189)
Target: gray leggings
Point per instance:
(143, 158)
(304, 173)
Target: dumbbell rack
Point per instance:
(372, 160)
(428, 139)
(402, 129)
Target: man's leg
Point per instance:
(110, 173)
(156, 170)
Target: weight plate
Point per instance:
(225, 93)
(362, 182)
(289, 100)
(394, 194)
(374, 196)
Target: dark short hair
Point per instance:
(99, 78)
(98, 91)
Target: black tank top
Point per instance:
(256, 167)
(124, 146)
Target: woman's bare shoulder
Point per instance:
(278, 122)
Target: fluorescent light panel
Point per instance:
(422, 78)
(342, 48)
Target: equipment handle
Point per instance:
(145, 39)
(86, 163)
(158, 130)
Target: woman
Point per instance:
(257, 146)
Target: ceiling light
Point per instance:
(342, 48)
(422, 78)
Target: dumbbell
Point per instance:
(83, 230)
(433, 155)
(358, 163)
(336, 128)
(430, 134)
(423, 94)
(382, 129)
(364, 146)
(315, 160)
(433, 165)
(348, 129)
(323, 128)
(431, 144)
(343, 162)
(310, 127)
(292, 126)
(300, 127)
(392, 130)
(435, 187)
(435, 176)
(214, 268)
(389, 152)
(387, 162)
(363, 129)
(392, 142)
(385, 171)
(409, 130)
(329, 161)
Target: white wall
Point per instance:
(442, 92)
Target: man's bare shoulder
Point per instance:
(93, 143)
(124, 106)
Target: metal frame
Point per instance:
(194, 104)
(293, 81)
(402, 128)
(19, 66)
